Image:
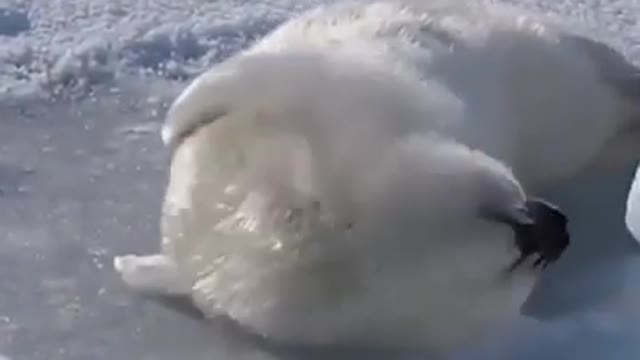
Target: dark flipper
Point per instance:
(547, 237)
(540, 230)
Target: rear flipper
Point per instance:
(157, 278)
(154, 274)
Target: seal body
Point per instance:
(390, 249)
(329, 184)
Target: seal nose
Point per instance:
(547, 237)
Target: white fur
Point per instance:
(517, 74)
(533, 92)
(313, 114)
(632, 218)
(311, 218)
(398, 259)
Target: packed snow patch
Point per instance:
(70, 47)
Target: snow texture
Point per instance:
(84, 85)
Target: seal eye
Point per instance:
(547, 237)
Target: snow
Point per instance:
(70, 46)
(83, 88)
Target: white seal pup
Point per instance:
(332, 214)
(558, 106)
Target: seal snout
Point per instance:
(546, 237)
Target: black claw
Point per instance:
(540, 262)
(547, 237)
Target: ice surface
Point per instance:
(83, 87)
(13, 21)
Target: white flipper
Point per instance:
(152, 274)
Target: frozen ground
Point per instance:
(83, 88)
